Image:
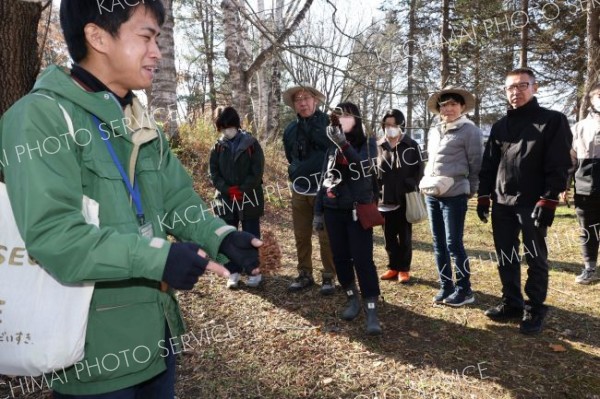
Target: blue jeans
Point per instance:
(447, 223)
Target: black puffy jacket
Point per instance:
(354, 182)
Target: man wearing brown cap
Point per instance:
(305, 144)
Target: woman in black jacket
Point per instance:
(236, 170)
(399, 171)
(348, 179)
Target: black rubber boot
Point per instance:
(373, 326)
(352, 305)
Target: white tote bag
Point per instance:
(416, 210)
(42, 322)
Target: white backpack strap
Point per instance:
(66, 115)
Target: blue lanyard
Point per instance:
(134, 190)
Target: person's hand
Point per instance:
(483, 208)
(543, 213)
(212, 266)
(184, 265)
(564, 196)
(235, 194)
(335, 134)
(318, 224)
(242, 248)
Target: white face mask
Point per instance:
(347, 123)
(392, 132)
(230, 132)
(595, 100)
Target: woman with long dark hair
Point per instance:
(347, 181)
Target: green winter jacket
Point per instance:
(47, 171)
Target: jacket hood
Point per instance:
(246, 140)
(58, 80)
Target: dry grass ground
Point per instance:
(267, 343)
(294, 346)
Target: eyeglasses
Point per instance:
(518, 87)
(448, 103)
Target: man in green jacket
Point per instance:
(83, 132)
(305, 144)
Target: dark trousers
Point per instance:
(398, 239)
(507, 223)
(161, 386)
(588, 215)
(251, 226)
(352, 248)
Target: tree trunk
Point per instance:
(236, 56)
(445, 37)
(162, 97)
(524, 35)
(19, 53)
(207, 24)
(593, 55)
(410, 67)
(237, 51)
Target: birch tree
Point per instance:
(242, 66)
(162, 97)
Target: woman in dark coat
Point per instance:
(236, 170)
(348, 180)
(399, 170)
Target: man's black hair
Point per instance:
(522, 71)
(107, 14)
(227, 117)
(450, 96)
(397, 115)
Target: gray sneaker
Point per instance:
(587, 276)
(304, 280)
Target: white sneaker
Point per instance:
(254, 281)
(234, 279)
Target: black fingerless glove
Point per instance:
(183, 266)
(237, 246)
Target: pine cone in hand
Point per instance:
(269, 254)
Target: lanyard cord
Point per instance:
(134, 190)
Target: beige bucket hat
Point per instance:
(288, 95)
(435, 97)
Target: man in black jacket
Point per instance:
(525, 168)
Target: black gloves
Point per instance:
(318, 223)
(237, 246)
(543, 213)
(183, 266)
(483, 208)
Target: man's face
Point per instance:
(134, 54)
(305, 104)
(520, 89)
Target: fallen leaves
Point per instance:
(557, 348)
